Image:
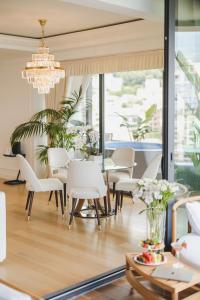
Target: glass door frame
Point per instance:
(169, 106)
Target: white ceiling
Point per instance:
(19, 17)
(19, 27)
(7, 54)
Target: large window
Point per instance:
(133, 106)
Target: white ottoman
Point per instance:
(2, 226)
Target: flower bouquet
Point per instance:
(155, 194)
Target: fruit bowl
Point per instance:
(150, 245)
(150, 259)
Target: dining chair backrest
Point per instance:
(124, 157)
(28, 173)
(85, 174)
(58, 157)
(152, 169)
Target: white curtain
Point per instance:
(75, 82)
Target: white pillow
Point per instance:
(193, 214)
(7, 293)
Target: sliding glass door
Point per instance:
(187, 99)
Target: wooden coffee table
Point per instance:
(137, 273)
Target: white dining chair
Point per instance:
(130, 184)
(58, 160)
(33, 184)
(122, 157)
(85, 181)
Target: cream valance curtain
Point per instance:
(142, 60)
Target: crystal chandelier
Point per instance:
(43, 72)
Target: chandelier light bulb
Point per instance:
(43, 72)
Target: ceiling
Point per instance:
(19, 17)
(7, 54)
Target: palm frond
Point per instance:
(42, 153)
(48, 113)
(26, 130)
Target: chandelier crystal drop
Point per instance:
(43, 72)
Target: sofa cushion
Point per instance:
(7, 293)
(193, 214)
(190, 255)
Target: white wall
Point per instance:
(18, 102)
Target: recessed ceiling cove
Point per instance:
(19, 17)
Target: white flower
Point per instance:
(157, 196)
(150, 191)
(79, 142)
(140, 182)
(163, 188)
(93, 136)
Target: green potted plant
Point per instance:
(52, 123)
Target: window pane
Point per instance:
(133, 114)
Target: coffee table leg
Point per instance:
(142, 290)
(174, 296)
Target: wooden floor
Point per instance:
(117, 290)
(120, 290)
(43, 256)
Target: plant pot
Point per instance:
(97, 158)
(155, 218)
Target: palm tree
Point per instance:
(52, 123)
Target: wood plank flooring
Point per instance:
(43, 256)
(120, 290)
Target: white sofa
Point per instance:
(2, 226)
(8, 293)
(190, 254)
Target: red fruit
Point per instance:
(184, 245)
(148, 257)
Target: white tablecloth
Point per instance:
(2, 226)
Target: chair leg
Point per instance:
(74, 200)
(28, 199)
(114, 184)
(50, 196)
(121, 200)
(117, 201)
(61, 203)
(65, 194)
(30, 205)
(97, 213)
(105, 205)
(56, 196)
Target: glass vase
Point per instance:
(155, 218)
